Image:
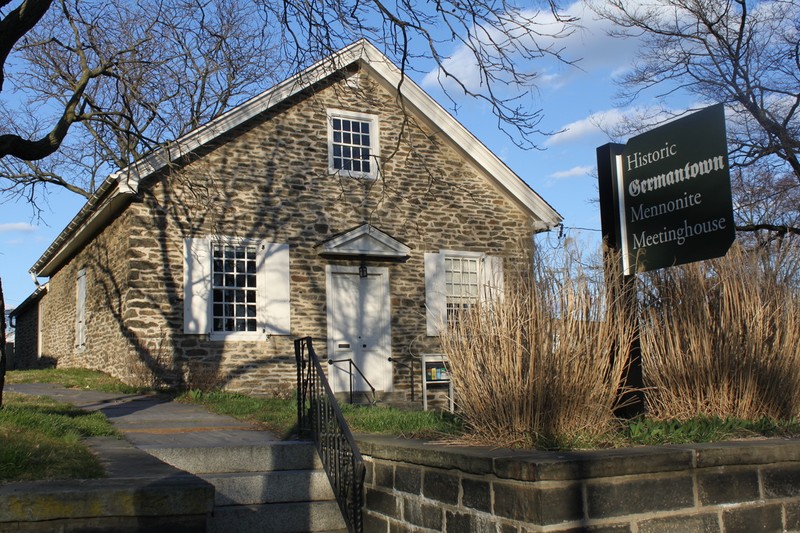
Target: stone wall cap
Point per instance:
(538, 465)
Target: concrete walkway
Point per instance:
(179, 468)
(147, 422)
(155, 419)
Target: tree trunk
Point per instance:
(2, 344)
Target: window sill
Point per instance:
(372, 176)
(237, 336)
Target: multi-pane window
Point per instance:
(353, 142)
(461, 284)
(234, 287)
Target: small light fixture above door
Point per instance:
(362, 269)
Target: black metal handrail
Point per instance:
(352, 365)
(319, 416)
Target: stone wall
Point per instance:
(735, 487)
(269, 179)
(26, 334)
(112, 343)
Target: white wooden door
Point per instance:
(359, 328)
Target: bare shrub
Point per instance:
(721, 338)
(544, 364)
(202, 376)
(148, 366)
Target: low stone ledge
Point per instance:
(731, 487)
(526, 465)
(140, 494)
(563, 466)
(749, 452)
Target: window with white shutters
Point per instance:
(236, 289)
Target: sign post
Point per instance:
(665, 200)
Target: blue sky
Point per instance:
(576, 100)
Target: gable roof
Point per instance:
(118, 189)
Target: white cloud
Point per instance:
(588, 44)
(573, 172)
(615, 124)
(596, 124)
(19, 227)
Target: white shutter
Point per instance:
(196, 285)
(80, 310)
(435, 293)
(493, 278)
(274, 289)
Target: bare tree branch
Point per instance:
(16, 24)
(124, 78)
(745, 55)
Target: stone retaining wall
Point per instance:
(725, 487)
(140, 495)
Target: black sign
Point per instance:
(674, 193)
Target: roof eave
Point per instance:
(89, 220)
(468, 144)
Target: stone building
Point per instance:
(333, 206)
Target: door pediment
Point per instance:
(365, 241)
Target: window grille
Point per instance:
(461, 282)
(234, 288)
(351, 144)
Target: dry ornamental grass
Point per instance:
(542, 365)
(721, 338)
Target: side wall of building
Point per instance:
(26, 337)
(110, 344)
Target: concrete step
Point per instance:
(280, 455)
(277, 518)
(284, 486)
(276, 487)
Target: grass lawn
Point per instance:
(71, 378)
(41, 439)
(280, 416)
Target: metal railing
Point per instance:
(319, 416)
(352, 369)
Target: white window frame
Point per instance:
(80, 310)
(374, 146)
(256, 305)
(466, 301)
(490, 283)
(272, 288)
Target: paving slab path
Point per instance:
(156, 419)
(257, 482)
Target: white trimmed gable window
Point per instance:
(236, 289)
(455, 281)
(352, 143)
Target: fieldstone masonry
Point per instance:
(735, 487)
(269, 179)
